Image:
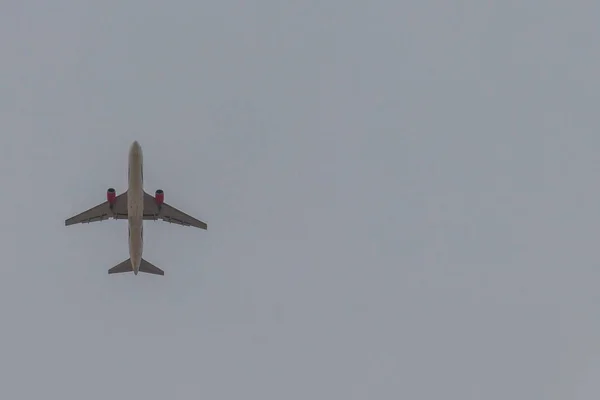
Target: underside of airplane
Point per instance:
(135, 206)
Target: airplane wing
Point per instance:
(168, 213)
(102, 212)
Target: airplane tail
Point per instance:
(145, 266)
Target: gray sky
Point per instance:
(402, 199)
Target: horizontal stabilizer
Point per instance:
(125, 266)
(148, 268)
(145, 266)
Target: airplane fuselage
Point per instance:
(135, 205)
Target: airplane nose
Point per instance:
(135, 147)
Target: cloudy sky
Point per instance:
(402, 199)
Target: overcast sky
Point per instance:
(402, 199)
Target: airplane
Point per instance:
(136, 206)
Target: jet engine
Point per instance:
(159, 196)
(111, 196)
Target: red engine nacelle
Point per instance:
(111, 196)
(159, 196)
